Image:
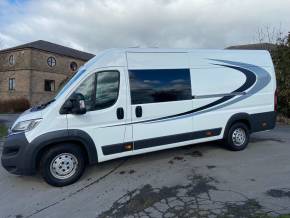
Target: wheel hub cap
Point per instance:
(239, 136)
(63, 166)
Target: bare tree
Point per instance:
(269, 34)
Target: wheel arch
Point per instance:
(47, 140)
(240, 117)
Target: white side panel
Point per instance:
(261, 101)
(215, 80)
(204, 58)
(111, 59)
(162, 128)
(157, 60)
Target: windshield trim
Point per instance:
(70, 82)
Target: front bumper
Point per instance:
(14, 156)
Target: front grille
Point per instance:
(10, 151)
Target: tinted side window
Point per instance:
(107, 89)
(151, 86)
(100, 90)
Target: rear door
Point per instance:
(160, 91)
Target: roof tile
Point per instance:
(54, 48)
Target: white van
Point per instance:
(132, 101)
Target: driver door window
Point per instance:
(107, 89)
(100, 90)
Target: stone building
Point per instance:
(36, 70)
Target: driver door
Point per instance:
(106, 118)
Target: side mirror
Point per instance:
(78, 104)
(74, 105)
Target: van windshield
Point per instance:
(70, 82)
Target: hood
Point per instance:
(28, 115)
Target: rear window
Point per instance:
(160, 85)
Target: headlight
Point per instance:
(25, 125)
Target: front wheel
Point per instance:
(62, 165)
(238, 137)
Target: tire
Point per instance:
(62, 165)
(238, 136)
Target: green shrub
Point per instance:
(14, 105)
(281, 59)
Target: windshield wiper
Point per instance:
(47, 103)
(42, 106)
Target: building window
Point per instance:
(152, 86)
(49, 85)
(51, 61)
(11, 59)
(73, 66)
(11, 84)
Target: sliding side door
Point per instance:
(160, 95)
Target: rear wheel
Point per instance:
(238, 137)
(62, 165)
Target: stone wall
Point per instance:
(22, 60)
(41, 71)
(19, 69)
(38, 95)
(22, 84)
(39, 62)
(30, 70)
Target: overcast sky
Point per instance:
(95, 25)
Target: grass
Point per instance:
(3, 130)
(284, 216)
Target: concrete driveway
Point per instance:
(203, 180)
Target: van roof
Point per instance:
(197, 57)
(156, 50)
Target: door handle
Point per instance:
(120, 113)
(138, 111)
